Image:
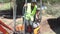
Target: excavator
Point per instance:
(31, 18)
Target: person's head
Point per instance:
(33, 3)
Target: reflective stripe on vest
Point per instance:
(29, 14)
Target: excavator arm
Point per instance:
(2, 23)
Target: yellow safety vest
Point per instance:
(29, 14)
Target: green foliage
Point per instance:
(1, 1)
(5, 6)
(7, 1)
(4, 1)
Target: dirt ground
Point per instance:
(45, 28)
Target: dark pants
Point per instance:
(28, 24)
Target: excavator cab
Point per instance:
(31, 17)
(32, 26)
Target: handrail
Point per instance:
(14, 15)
